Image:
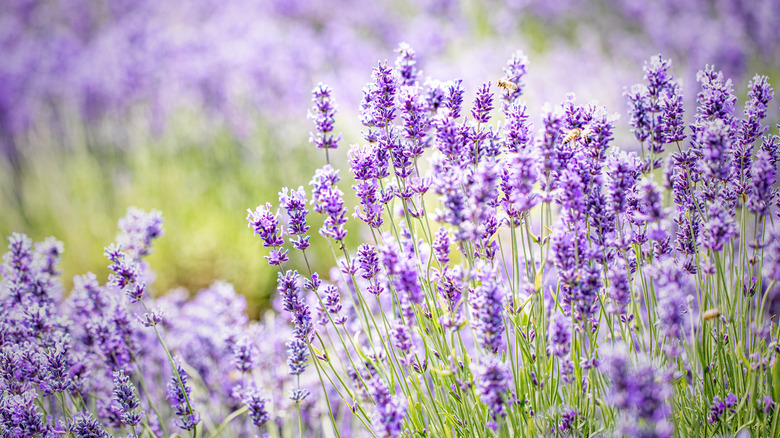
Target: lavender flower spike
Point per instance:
(322, 113)
(178, 393)
(125, 396)
(492, 377)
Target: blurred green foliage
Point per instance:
(197, 173)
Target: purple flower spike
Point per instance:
(406, 65)
(179, 399)
(137, 230)
(493, 377)
(559, 336)
(483, 104)
(514, 71)
(257, 410)
(297, 356)
(390, 410)
(125, 396)
(322, 113)
(487, 308)
(85, 426)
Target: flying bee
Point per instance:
(507, 85)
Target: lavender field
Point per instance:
(398, 219)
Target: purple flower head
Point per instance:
(487, 309)
(759, 95)
(720, 407)
(137, 230)
(719, 228)
(294, 303)
(761, 192)
(514, 72)
(416, 122)
(441, 246)
(328, 200)
(650, 202)
(245, 355)
(406, 65)
(368, 260)
(401, 337)
(297, 355)
(266, 225)
(559, 336)
(483, 104)
(671, 286)
(623, 170)
(125, 396)
(85, 426)
(672, 125)
(657, 75)
(178, 393)
(619, 291)
(712, 138)
(493, 378)
(716, 98)
(322, 113)
(257, 410)
(379, 98)
(294, 203)
(48, 254)
(519, 134)
(640, 109)
(332, 300)
(390, 411)
(517, 182)
(453, 100)
(639, 391)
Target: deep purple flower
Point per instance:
(294, 303)
(137, 230)
(322, 113)
(640, 391)
(406, 65)
(487, 310)
(719, 228)
(671, 287)
(716, 98)
(85, 426)
(514, 72)
(401, 337)
(257, 410)
(518, 131)
(559, 336)
(619, 291)
(390, 411)
(672, 125)
(761, 192)
(483, 104)
(297, 355)
(368, 260)
(266, 225)
(623, 170)
(712, 139)
(294, 203)
(328, 200)
(178, 393)
(517, 182)
(332, 300)
(454, 99)
(492, 382)
(719, 407)
(245, 355)
(125, 396)
(441, 246)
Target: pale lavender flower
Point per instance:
(515, 70)
(294, 203)
(266, 225)
(137, 230)
(406, 65)
(441, 246)
(483, 104)
(559, 336)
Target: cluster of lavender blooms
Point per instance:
(521, 281)
(111, 359)
(105, 58)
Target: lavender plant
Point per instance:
(521, 284)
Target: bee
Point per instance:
(711, 314)
(507, 85)
(572, 135)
